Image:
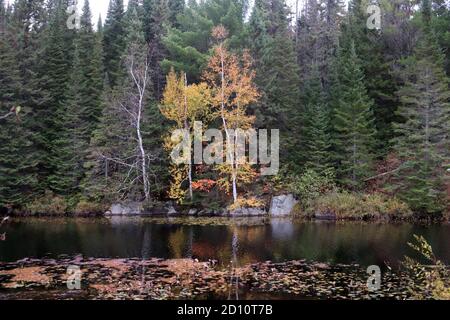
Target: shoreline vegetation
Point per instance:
(333, 207)
(363, 114)
(312, 197)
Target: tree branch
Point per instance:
(7, 115)
(383, 174)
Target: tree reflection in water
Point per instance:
(234, 265)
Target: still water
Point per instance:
(206, 238)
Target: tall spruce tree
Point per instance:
(81, 110)
(315, 132)
(71, 142)
(26, 25)
(17, 166)
(188, 43)
(353, 122)
(422, 141)
(176, 7)
(156, 21)
(54, 75)
(376, 66)
(277, 73)
(317, 36)
(91, 83)
(114, 41)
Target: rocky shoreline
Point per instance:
(280, 206)
(157, 279)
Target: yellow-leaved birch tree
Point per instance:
(231, 80)
(184, 104)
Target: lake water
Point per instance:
(208, 238)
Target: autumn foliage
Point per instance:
(223, 97)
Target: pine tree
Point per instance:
(56, 61)
(188, 44)
(277, 73)
(317, 37)
(440, 25)
(422, 141)
(353, 122)
(176, 7)
(26, 23)
(315, 131)
(17, 166)
(81, 110)
(114, 41)
(71, 142)
(91, 82)
(376, 66)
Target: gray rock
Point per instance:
(121, 209)
(221, 212)
(282, 205)
(247, 212)
(192, 212)
(326, 215)
(171, 210)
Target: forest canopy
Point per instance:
(86, 113)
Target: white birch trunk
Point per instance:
(186, 127)
(225, 126)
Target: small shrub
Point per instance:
(277, 183)
(48, 204)
(346, 205)
(247, 203)
(381, 205)
(342, 204)
(299, 212)
(211, 205)
(311, 185)
(427, 281)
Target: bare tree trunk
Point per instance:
(6, 115)
(141, 86)
(143, 157)
(354, 160)
(225, 126)
(186, 126)
(14, 111)
(235, 169)
(234, 265)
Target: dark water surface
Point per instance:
(209, 238)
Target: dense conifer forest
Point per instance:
(87, 110)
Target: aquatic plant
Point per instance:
(430, 280)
